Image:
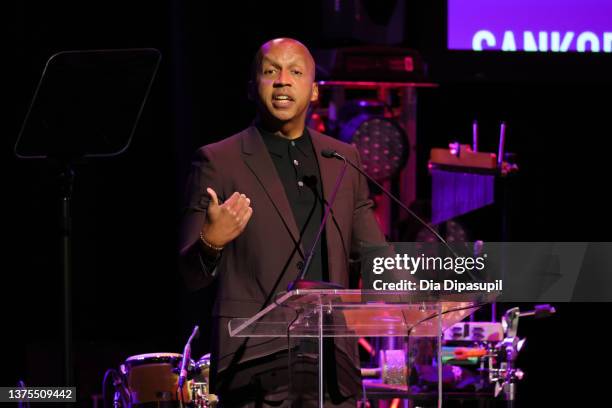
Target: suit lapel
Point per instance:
(257, 158)
(329, 168)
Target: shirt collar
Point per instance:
(279, 146)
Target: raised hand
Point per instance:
(225, 222)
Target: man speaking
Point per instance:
(255, 203)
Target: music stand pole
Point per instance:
(67, 183)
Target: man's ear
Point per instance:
(251, 90)
(315, 92)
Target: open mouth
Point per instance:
(282, 101)
(282, 98)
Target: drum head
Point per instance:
(151, 358)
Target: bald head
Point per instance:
(280, 44)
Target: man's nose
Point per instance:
(283, 79)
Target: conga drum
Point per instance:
(152, 380)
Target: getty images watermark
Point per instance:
(406, 264)
(511, 271)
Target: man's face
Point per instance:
(285, 82)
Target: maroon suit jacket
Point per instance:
(265, 258)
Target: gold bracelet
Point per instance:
(208, 244)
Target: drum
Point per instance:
(202, 369)
(152, 379)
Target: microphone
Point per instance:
(186, 357)
(329, 153)
(299, 282)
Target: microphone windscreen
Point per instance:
(329, 153)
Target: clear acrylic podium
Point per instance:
(323, 313)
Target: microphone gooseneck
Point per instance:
(329, 153)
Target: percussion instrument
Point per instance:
(153, 378)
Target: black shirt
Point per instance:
(296, 163)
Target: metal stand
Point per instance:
(507, 375)
(67, 184)
(87, 104)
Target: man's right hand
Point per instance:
(224, 222)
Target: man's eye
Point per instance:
(296, 72)
(268, 71)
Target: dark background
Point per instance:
(128, 297)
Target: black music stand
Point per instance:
(86, 105)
